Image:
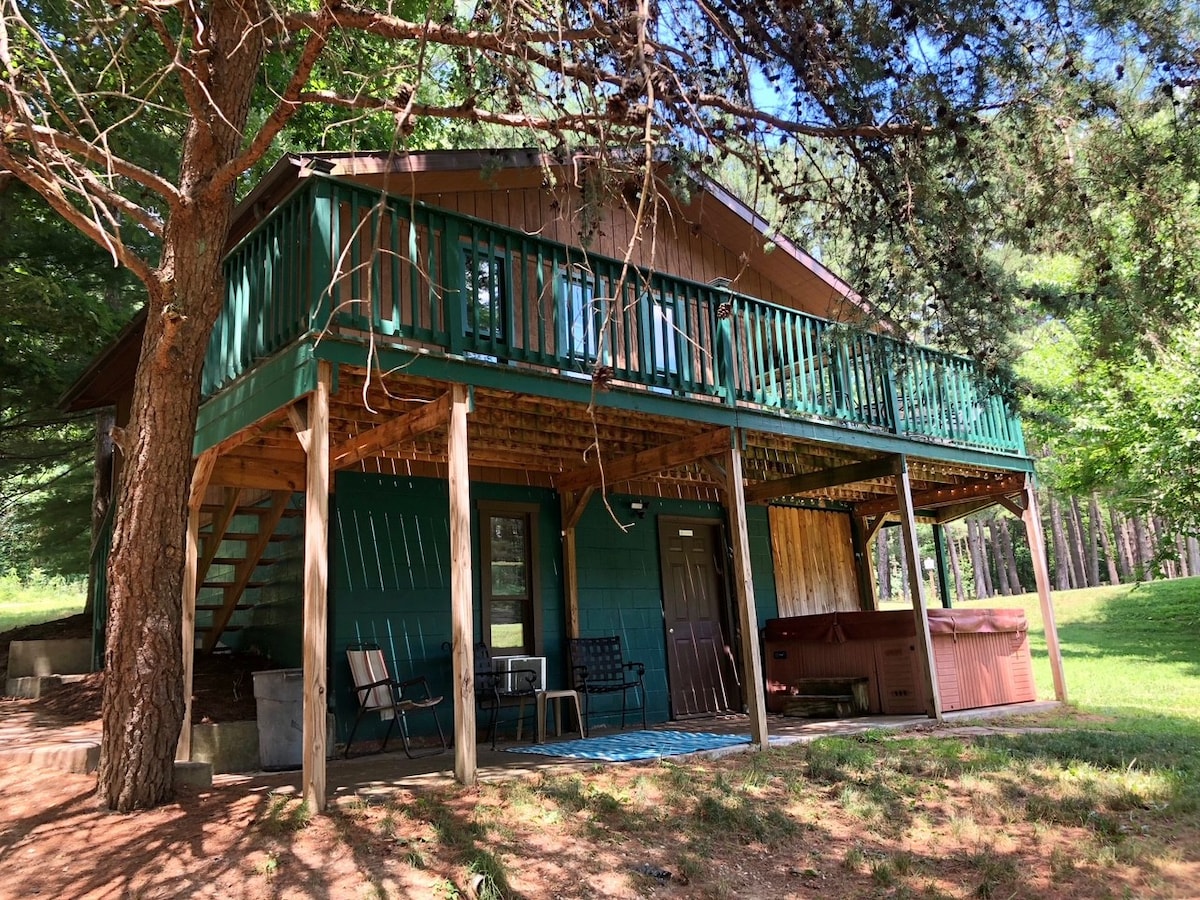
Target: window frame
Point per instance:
(582, 299)
(473, 254)
(531, 602)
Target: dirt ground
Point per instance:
(743, 826)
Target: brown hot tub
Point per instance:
(981, 657)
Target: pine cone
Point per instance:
(725, 310)
(602, 377)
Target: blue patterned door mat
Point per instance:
(634, 745)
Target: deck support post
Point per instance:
(743, 586)
(916, 582)
(201, 474)
(316, 601)
(1032, 517)
(939, 555)
(573, 504)
(461, 609)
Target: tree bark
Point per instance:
(983, 575)
(1075, 543)
(904, 586)
(1105, 544)
(1064, 578)
(883, 564)
(1181, 556)
(955, 568)
(1193, 551)
(143, 686)
(997, 554)
(1093, 542)
(1145, 551)
(1124, 549)
(1010, 558)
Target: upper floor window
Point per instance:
(583, 311)
(663, 336)
(486, 293)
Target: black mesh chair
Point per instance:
(598, 666)
(493, 689)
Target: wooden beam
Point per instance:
(316, 600)
(916, 583)
(869, 531)
(1041, 575)
(947, 514)
(245, 569)
(398, 431)
(191, 563)
(247, 434)
(946, 496)
(263, 475)
(1015, 505)
(743, 586)
(299, 423)
(648, 462)
(201, 475)
(573, 506)
(462, 619)
(212, 540)
(882, 467)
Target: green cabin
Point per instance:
(459, 396)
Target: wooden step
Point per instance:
(249, 510)
(203, 628)
(225, 584)
(253, 535)
(234, 560)
(213, 607)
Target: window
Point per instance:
(486, 293)
(508, 541)
(583, 317)
(663, 328)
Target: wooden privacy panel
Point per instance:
(814, 561)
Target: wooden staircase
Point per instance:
(234, 563)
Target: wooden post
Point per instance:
(461, 607)
(743, 585)
(939, 555)
(191, 551)
(916, 581)
(573, 504)
(1041, 574)
(316, 604)
(191, 563)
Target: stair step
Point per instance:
(252, 535)
(249, 510)
(234, 560)
(213, 607)
(225, 584)
(202, 628)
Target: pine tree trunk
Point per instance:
(997, 555)
(977, 562)
(1010, 558)
(883, 565)
(143, 701)
(1193, 551)
(1093, 543)
(1145, 550)
(1075, 543)
(899, 555)
(1064, 578)
(1161, 541)
(1181, 557)
(956, 570)
(1125, 554)
(1105, 543)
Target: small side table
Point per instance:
(556, 696)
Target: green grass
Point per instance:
(1128, 651)
(38, 599)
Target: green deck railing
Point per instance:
(340, 258)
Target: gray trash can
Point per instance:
(279, 695)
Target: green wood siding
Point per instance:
(620, 587)
(390, 579)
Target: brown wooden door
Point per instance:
(702, 676)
